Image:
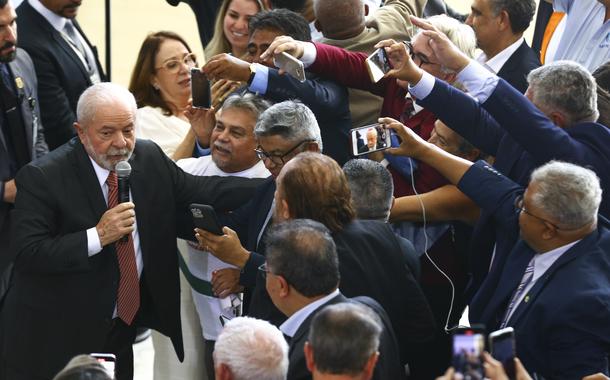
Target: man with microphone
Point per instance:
(97, 258)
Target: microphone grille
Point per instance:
(122, 169)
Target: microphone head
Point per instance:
(122, 169)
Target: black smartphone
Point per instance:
(370, 138)
(503, 349)
(108, 361)
(200, 89)
(204, 217)
(378, 64)
(468, 347)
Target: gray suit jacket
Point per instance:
(22, 70)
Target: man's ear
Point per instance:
(504, 22)
(311, 365)
(449, 77)
(223, 372)
(79, 130)
(312, 146)
(369, 367)
(549, 232)
(558, 119)
(284, 286)
(366, 10)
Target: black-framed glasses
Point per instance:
(264, 270)
(278, 159)
(520, 207)
(422, 58)
(174, 65)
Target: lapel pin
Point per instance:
(19, 82)
(527, 298)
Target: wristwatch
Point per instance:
(252, 73)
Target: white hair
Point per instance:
(100, 94)
(253, 349)
(460, 34)
(569, 193)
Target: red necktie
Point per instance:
(128, 298)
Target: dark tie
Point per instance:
(407, 111)
(128, 298)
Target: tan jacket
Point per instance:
(389, 21)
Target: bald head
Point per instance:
(339, 19)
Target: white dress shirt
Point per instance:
(292, 324)
(497, 61)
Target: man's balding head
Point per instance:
(339, 19)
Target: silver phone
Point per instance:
(291, 65)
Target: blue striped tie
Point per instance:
(527, 278)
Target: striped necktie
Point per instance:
(128, 298)
(525, 280)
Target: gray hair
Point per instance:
(83, 367)
(569, 193)
(248, 102)
(567, 87)
(343, 337)
(520, 12)
(292, 120)
(460, 34)
(253, 349)
(99, 94)
(372, 188)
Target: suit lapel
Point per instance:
(509, 66)
(86, 174)
(511, 276)
(70, 53)
(579, 249)
(23, 102)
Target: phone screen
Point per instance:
(468, 347)
(380, 58)
(503, 350)
(200, 89)
(370, 138)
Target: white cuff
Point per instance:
(424, 87)
(478, 81)
(94, 245)
(261, 80)
(385, 163)
(309, 54)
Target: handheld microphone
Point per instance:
(123, 170)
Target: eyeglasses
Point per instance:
(422, 58)
(173, 65)
(264, 270)
(278, 159)
(519, 205)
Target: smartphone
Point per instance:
(108, 361)
(370, 138)
(204, 217)
(468, 346)
(200, 89)
(503, 349)
(378, 64)
(290, 64)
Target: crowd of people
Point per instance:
(479, 185)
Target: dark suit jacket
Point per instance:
(388, 366)
(62, 301)
(62, 78)
(372, 262)
(562, 327)
(516, 68)
(509, 127)
(20, 67)
(327, 100)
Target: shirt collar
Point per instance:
(543, 261)
(101, 173)
(54, 19)
(496, 63)
(292, 324)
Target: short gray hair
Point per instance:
(253, 349)
(292, 120)
(248, 101)
(372, 188)
(567, 87)
(520, 12)
(100, 94)
(569, 193)
(343, 337)
(460, 34)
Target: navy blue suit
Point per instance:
(509, 127)
(562, 326)
(327, 100)
(518, 66)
